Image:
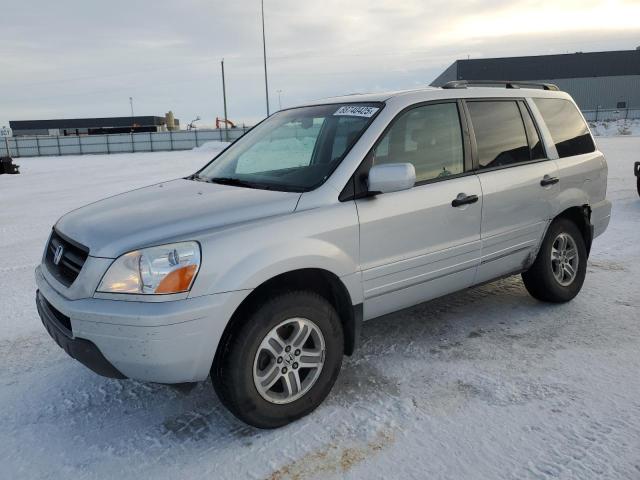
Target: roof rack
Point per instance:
(499, 83)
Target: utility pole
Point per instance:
(264, 52)
(133, 124)
(224, 101)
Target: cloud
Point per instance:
(76, 58)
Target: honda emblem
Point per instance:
(58, 254)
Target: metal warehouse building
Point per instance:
(597, 80)
(93, 126)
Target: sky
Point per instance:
(72, 58)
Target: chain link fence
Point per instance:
(611, 114)
(115, 143)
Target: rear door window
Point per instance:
(568, 130)
(500, 134)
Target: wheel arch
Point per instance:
(581, 216)
(574, 204)
(320, 281)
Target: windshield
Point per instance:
(293, 150)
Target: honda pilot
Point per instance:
(258, 270)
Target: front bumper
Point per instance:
(165, 342)
(82, 350)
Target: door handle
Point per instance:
(464, 199)
(547, 180)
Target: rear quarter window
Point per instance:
(568, 130)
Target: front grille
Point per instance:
(70, 262)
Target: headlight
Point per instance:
(155, 270)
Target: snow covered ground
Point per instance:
(483, 384)
(613, 128)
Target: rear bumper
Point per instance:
(165, 342)
(600, 217)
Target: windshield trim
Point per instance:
(282, 188)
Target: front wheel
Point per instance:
(281, 363)
(559, 270)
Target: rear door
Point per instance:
(518, 184)
(415, 244)
(580, 165)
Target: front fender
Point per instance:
(265, 264)
(243, 258)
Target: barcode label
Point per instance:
(356, 111)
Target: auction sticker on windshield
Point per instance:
(357, 111)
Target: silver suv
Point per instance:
(259, 269)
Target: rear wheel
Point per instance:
(282, 362)
(559, 270)
(638, 184)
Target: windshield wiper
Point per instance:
(236, 182)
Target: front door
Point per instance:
(415, 244)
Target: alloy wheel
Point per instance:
(289, 360)
(564, 259)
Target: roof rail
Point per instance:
(499, 83)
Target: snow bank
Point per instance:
(213, 147)
(614, 128)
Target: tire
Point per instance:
(246, 353)
(638, 184)
(541, 281)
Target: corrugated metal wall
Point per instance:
(590, 93)
(602, 92)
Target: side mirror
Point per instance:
(391, 177)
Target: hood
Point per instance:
(168, 211)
